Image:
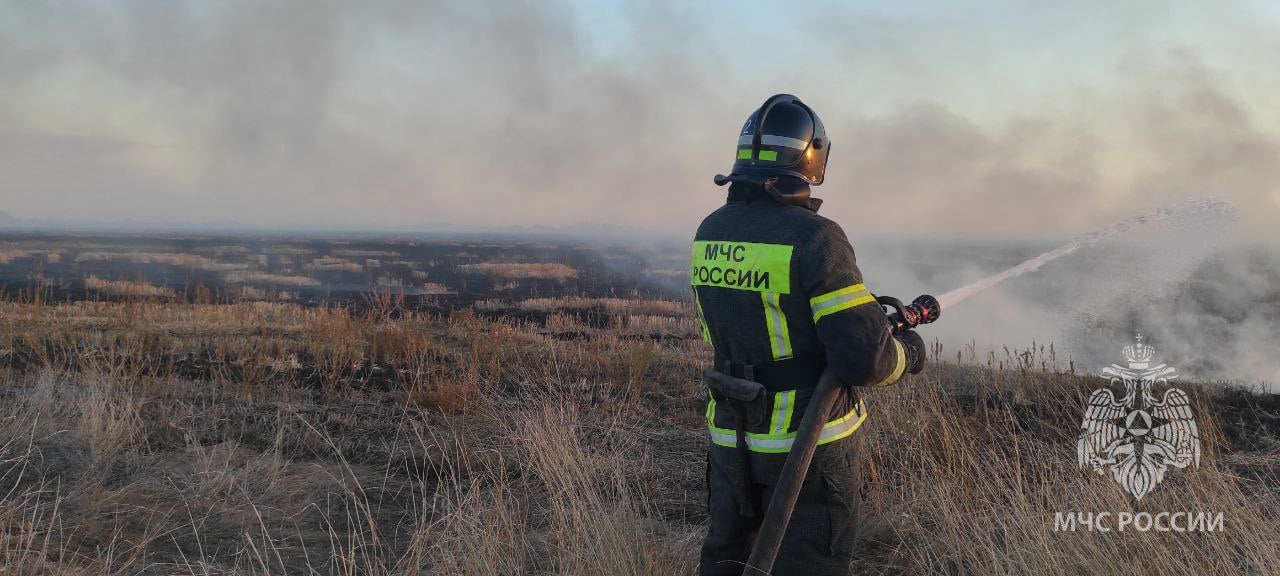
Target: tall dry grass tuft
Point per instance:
(402, 344)
(109, 422)
(473, 523)
(633, 365)
(129, 288)
(596, 522)
(593, 514)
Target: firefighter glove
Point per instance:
(914, 346)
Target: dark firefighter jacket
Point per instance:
(777, 289)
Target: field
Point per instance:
(431, 273)
(222, 405)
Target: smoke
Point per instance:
(1171, 130)
(329, 113)
(1211, 308)
(1026, 120)
(512, 113)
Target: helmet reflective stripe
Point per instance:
(765, 155)
(771, 140)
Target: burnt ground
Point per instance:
(54, 266)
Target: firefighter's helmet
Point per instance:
(784, 137)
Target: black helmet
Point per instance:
(783, 138)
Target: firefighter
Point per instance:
(780, 298)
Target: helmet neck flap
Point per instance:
(785, 190)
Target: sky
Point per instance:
(952, 118)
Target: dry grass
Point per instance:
(249, 293)
(520, 271)
(179, 259)
(10, 252)
(970, 484)
(133, 288)
(268, 438)
(329, 263)
(268, 278)
(647, 307)
(287, 250)
(353, 253)
(436, 288)
(382, 282)
(8, 255)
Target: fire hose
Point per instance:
(923, 310)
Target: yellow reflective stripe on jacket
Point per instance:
(741, 266)
(702, 320)
(784, 404)
(781, 443)
(837, 300)
(776, 322)
(899, 367)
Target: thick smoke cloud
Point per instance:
(1171, 132)
(416, 114)
(319, 113)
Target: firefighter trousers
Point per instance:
(819, 540)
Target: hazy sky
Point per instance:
(974, 118)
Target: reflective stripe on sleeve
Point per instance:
(837, 300)
(776, 321)
(900, 367)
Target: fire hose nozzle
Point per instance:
(902, 317)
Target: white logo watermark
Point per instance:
(1138, 521)
(1138, 438)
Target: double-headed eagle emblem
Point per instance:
(1137, 436)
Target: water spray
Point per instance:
(1209, 205)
